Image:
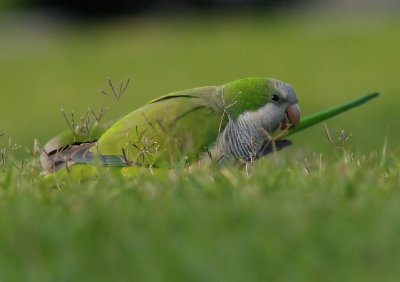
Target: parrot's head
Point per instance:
(263, 102)
(282, 108)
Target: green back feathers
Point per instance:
(173, 128)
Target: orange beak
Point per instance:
(292, 116)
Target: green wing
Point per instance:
(173, 129)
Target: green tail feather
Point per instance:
(313, 119)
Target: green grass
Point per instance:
(310, 213)
(286, 221)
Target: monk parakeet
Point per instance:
(231, 122)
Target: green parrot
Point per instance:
(234, 122)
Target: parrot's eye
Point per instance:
(275, 98)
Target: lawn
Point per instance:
(309, 213)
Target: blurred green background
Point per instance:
(338, 221)
(50, 60)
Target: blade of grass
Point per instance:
(6, 182)
(313, 119)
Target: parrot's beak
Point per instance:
(292, 116)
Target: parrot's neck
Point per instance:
(241, 139)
